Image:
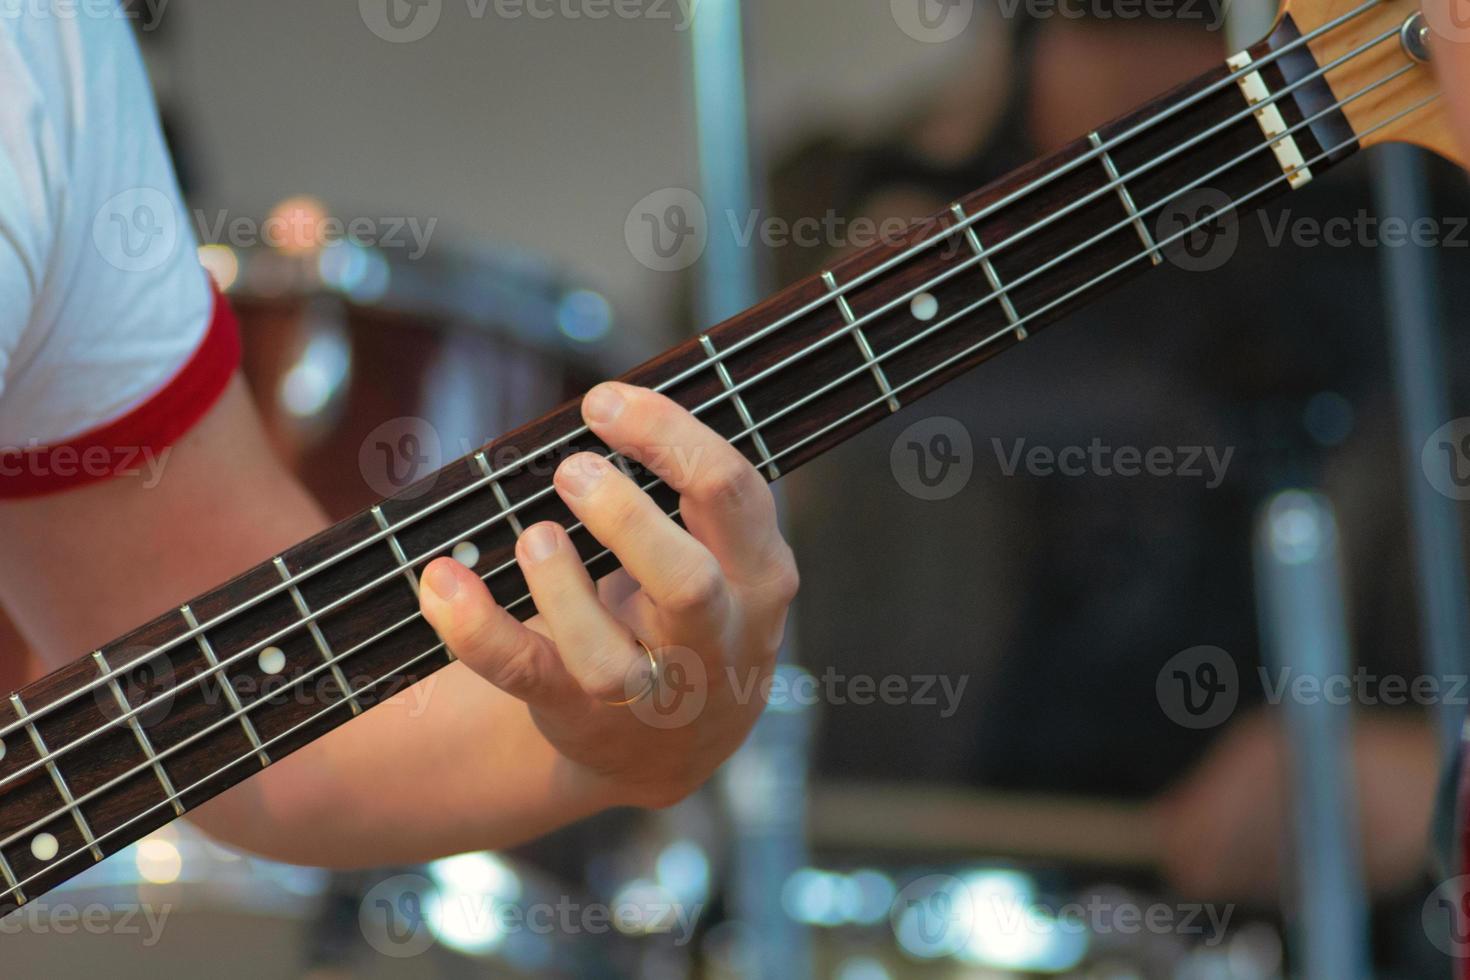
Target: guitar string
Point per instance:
(694, 369)
(785, 410)
(851, 416)
(862, 369)
(115, 672)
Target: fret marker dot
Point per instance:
(272, 660)
(2, 748)
(924, 306)
(44, 847)
(466, 554)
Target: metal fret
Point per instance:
(865, 348)
(12, 883)
(402, 559)
(144, 742)
(322, 646)
(500, 497)
(1273, 124)
(57, 780)
(229, 689)
(991, 275)
(396, 548)
(1126, 197)
(745, 417)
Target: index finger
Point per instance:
(723, 500)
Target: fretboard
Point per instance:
(123, 740)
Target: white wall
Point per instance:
(538, 132)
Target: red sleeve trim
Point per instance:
(129, 445)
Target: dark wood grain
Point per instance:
(382, 646)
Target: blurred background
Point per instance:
(1031, 722)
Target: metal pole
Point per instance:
(765, 783)
(1411, 298)
(1304, 634)
(728, 272)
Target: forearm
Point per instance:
(448, 765)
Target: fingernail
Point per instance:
(442, 580)
(540, 542)
(581, 474)
(603, 404)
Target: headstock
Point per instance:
(1433, 35)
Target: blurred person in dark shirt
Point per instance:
(1060, 598)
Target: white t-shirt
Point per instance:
(111, 339)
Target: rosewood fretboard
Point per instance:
(113, 779)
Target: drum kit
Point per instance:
(369, 369)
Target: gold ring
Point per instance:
(652, 680)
